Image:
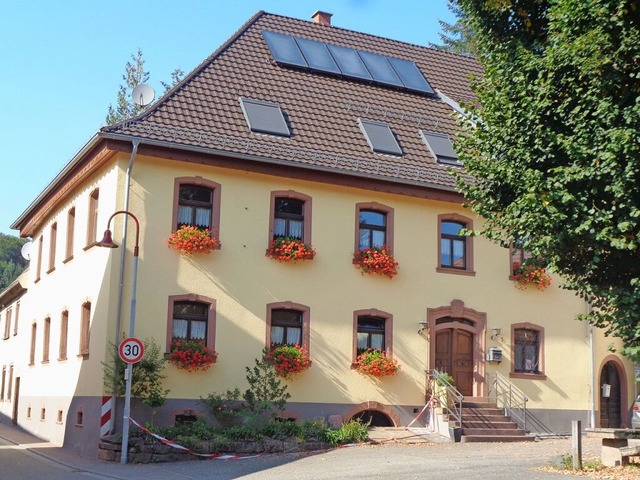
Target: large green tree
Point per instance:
(554, 152)
(11, 262)
(456, 37)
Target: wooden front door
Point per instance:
(611, 405)
(454, 355)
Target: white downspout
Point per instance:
(123, 251)
(592, 373)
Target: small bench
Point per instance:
(615, 445)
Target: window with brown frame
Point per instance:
(10, 383)
(92, 220)
(191, 317)
(32, 349)
(528, 350)
(64, 332)
(455, 250)
(290, 216)
(46, 337)
(71, 225)
(374, 226)
(4, 378)
(372, 330)
(288, 323)
(15, 319)
(197, 203)
(85, 328)
(7, 323)
(52, 247)
(39, 262)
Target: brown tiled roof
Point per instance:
(204, 112)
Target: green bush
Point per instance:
(226, 407)
(243, 432)
(353, 431)
(284, 430)
(315, 430)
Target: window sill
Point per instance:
(62, 359)
(68, 259)
(52, 269)
(529, 376)
(456, 271)
(45, 362)
(91, 245)
(83, 356)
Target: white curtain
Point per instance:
(293, 336)
(279, 227)
(184, 215)
(362, 341)
(180, 328)
(376, 341)
(277, 335)
(198, 330)
(203, 217)
(295, 229)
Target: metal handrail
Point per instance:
(448, 397)
(508, 397)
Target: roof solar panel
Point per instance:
(380, 68)
(441, 147)
(380, 137)
(349, 62)
(264, 117)
(284, 48)
(317, 55)
(410, 75)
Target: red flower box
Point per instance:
(376, 363)
(376, 261)
(191, 355)
(525, 275)
(287, 249)
(288, 360)
(189, 240)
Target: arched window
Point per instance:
(191, 317)
(196, 203)
(290, 216)
(374, 227)
(527, 346)
(288, 323)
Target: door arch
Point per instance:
(612, 394)
(457, 345)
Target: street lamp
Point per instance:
(108, 242)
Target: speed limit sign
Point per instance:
(131, 350)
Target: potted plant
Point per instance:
(376, 261)
(286, 249)
(376, 363)
(288, 360)
(529, 274)
(191, 355)
(189, 240)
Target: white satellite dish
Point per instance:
(143, 94)
(26, 250)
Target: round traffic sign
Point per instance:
(131, 350)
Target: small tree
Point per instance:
(266, 394)
(457, 37)
(134, 75)
(146, 376)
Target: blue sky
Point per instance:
(62, 63)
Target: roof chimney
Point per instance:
(323, 18)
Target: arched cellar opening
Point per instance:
(374, 418)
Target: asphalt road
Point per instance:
(390, 461)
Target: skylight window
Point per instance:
(441, 147)
(264, 117)
(351, 63)
(380, 137)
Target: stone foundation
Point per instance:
(110, 449)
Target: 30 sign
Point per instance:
(131, 350)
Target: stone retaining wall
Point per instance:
(142, 452)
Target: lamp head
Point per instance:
(107, 241)
(423, 324)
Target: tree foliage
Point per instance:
(554, 155)
(134, 74)
(11, 261)
(456, 37)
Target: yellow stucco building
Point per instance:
(301, 130)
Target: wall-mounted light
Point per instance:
(423, 326)
(495, 333)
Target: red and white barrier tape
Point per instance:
(431, 403)
(217, 456)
